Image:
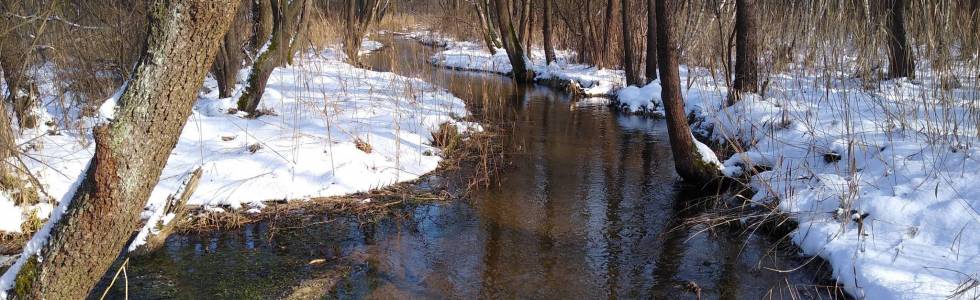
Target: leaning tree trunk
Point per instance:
(489, 33)
(549, 48)
(902, 60)
(687, 159)
(651, 65)
(512, 43)
(130, 151)
(231, 55)
(261, 25)
(746, 50)
(7, 142)
(288, 36)
(629, 56)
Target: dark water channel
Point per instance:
(589, 209)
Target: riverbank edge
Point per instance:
(776, 226)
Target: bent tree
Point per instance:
(231, 55)
(130, 151)
(358, 16)
(512, 42)
(290, 24)
(688, 161)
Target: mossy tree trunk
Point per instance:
(289, 30)
(231, 55)
(490, 36)
(130, 151)
(512, 43)
(687, 160)
(746, 49)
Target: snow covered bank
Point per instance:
(333, 129)
(884, 182)
(471, 56)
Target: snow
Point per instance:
(305, 150)
(883, 181)
(897, 153)
(10, 215)
(471, 56)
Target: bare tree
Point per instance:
(688, 161)
(289, 33)
(549, 47)
(651, 64)
(130, 152)
(490, 35)
(746, 49)
(633, 76)
(902, 61)
(512, 43)
(231, 55)
(17, 37)
(358, 16)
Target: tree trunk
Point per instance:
(629, 59)
(15, 59)
(7, 142)
(607, 32)
(902, 60)
(231, 55)
(525, 24)
(746, 50)
(651, 65)
(262, 26)
(687, 158)
(515, 51)
(288, 35)
(358, 16)
(130, 151)
(549, 48)
(489, 36)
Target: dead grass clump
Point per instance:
(362, 145)
(447, 138)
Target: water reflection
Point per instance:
(590, 209)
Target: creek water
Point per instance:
(589, 208)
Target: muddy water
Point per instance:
(589, 208)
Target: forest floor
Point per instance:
(331, 132)
(883, 180)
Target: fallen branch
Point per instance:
(175, 205)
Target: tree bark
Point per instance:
(607, 32)
(358, 16)
(651, 64)
(130, 151)
(687, 160)
(515, 51)
(7, 142)
(902, 60)
(262, 24)
(549, 48)
(289, 31)
(629, 56)
(231, 55)
(746, 50)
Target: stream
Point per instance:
(589, 208)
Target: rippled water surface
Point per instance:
(589, 209)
